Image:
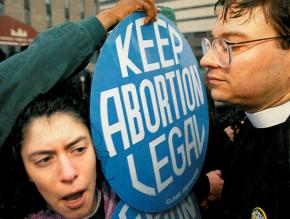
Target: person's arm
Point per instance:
(54, 56)
(50, 59)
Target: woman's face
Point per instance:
(60, 160)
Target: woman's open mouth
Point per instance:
(74, 200)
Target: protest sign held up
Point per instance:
(149, 114)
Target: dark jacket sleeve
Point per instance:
(53, 57)
(201, 188)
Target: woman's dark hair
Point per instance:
(18, 196)
(277, 12)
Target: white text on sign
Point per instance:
(150, 105)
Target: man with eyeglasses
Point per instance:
(248, 64)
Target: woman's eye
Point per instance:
(79, 150)
(43, 161)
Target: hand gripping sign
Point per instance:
(188, 208)
(149, 113)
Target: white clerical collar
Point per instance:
(270, 117)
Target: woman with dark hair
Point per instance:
(48, 163)
(51, 162)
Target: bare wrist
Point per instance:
(107, 18)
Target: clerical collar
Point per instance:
(270, 117)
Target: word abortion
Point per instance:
(189, 91)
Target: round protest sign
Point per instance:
(149, 113)
(186, 209)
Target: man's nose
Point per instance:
(209, 60)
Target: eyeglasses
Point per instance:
(222, 48)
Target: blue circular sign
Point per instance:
(149, 113)
(187, 208)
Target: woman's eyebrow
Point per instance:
(70, 144)
(39, 152)
(75, 141)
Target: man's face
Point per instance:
(60, 160)
(259, 75)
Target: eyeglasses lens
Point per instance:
(221, 52)
(205, 44)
